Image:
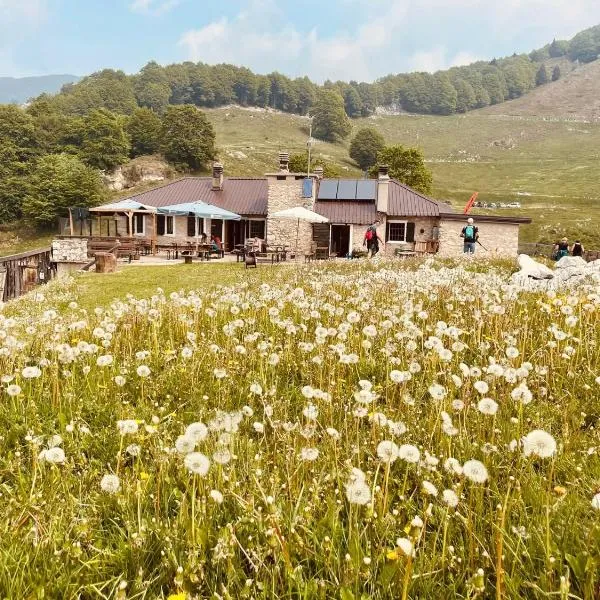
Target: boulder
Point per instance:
(533, 269)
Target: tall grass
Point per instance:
(337, 431)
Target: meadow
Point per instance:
(366, 429)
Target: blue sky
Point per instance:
(336, 39)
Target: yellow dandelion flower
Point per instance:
(181, 596)
(560, 490)
(144, 476)
(392, 555)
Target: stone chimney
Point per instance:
(217, 177)
(318, 171)
(383, 189)
(284, 162)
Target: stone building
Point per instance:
(409, 220)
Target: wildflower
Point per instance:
(309, 454)
(437, 391)
(133, 450)
(185, 444)
(196, 431)
(429, 488)
(105, 360)
(13, 390)
(596, 502)
(222, 456)
(458, 405)
(475, 471)
(481, 386)
(311, 412)
(388, 451)
(333, 433)
(370, 331)
(220, 373)
(256, 388)
(512, 352)
(365, 396)
(259, 427)
(400, 376)
(358, 492)
(110, 484)
(396, 427)
(216, 496)
(31, 372)
(128, 426)
(450, 498)
(487, 406)
(120, 381)
(409, 453)
(53, 455)
(143, 371)
(539, 443)
(406, 546)
(197, 463)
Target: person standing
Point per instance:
(561, 249)
(577, 249)
(372, 240)
(470, 235)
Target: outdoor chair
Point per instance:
(312, 253)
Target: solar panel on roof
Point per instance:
(328, 189)
(347, 189)
(366, 189)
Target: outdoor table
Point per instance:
(204, 251)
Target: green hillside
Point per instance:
(549, 166)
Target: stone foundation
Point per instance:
(70, 250)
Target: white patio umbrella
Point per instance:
(299, 213)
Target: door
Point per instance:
(235, 234)
(340, 240)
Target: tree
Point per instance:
(585, 46)
(188, 137)
(365, 146)
(58, 182)
(541, 77)
(558, 48)
(152, 88)
(407, 165)
(331, 123)
(352, 102)
(556, 73)
(144, 128)
(299, 164)
(101, 139)
(465, 96)
(19, 147)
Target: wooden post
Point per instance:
(130, 221)
(72, 231)
(154, 233)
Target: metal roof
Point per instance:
(239, 195)
(406, 202)
(348, 213)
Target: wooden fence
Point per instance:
(20, 273)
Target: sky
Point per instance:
(324, 39)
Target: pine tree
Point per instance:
(556, 73)
(541, 77)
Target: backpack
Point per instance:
(370, 234)
(469, 233)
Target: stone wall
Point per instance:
(71, 250)
(501, 239)
(285, 194)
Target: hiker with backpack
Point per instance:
(470, 235)
(372, 240)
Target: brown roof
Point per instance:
(239, 195)
(406, 202)
(402, 202)
(487, 218)
(347, 213)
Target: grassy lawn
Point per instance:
(97, 289)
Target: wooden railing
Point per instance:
(20, 273)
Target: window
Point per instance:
(165, 225)
(170, 226)
(256, 229)
(396, 231)
(139, 224)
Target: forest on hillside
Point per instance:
(456, 90)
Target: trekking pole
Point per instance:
(482, 245)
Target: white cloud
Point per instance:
(389, 36)
(22, 11)
(153, 7)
